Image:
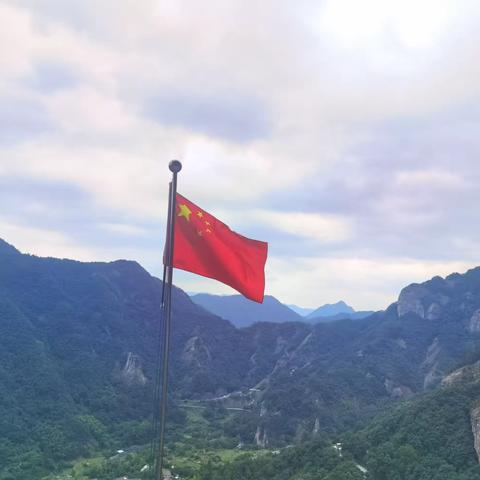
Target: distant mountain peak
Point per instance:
(339, 304)
(6, 248)
(331, 309)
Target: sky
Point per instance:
(344, 133)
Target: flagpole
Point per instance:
(175, 166)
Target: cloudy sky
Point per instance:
(344, 133)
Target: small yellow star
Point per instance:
(200, 233)
(184, 211)
(199, 214)
(207, 223)
(208, 230)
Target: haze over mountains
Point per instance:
(331, 309)
(243, 312)
(335, 311)
(303, 311)
(78, 348)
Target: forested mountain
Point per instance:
(243, 312)
(77, 353)
(433, 436)
(344, 372)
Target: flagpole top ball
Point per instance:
(175, 166)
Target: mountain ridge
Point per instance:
(6, 248)
(242, 312)
(303, 311)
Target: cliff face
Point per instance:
(475, 421)
(474, 323)
(411, 301)
(430, 365)
(261, 437)
(427, 301)
(132, 373)
(469, 373)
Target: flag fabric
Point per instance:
(206, 246)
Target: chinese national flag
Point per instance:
(207, 247)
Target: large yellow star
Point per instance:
(184, 211)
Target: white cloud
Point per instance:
(430, 178)
(365, 283)
(44, 242)
(124, 229)
(316, 227)
(16, 32)
(414, 24)
(85, 110)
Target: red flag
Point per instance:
(207, 247)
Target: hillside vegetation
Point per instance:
(78, 348)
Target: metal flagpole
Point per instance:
(158, 366)
(175, 166)
(158, 369)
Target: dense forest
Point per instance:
(422, 439)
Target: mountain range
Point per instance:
(335, 311)
(242, 312)
(78, 346)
